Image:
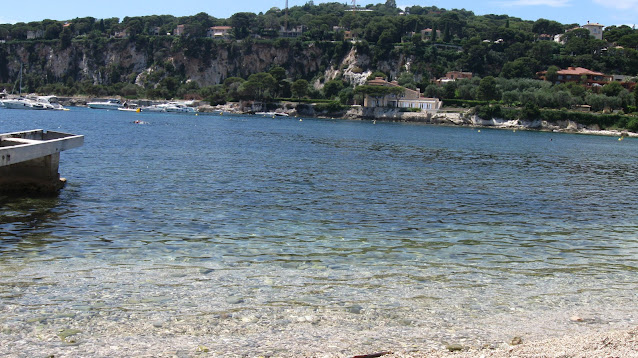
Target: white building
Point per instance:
(409, 99)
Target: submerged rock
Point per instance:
(454, 347)
(356, 309)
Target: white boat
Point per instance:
(175, 107)
(22, 103)
(155, 108)
(49, 102)
(129, 109)
(172, 107)
(272, 114)
(110, 104)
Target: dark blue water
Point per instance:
(437, 232)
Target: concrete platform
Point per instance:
(29, 161)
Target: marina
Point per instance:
(251, 236)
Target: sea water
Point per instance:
(244, 235)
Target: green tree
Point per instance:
(299, 88)
(65, 38)
(259, 86)
(53, 31)
(530, 111)
(523, 67)
(612, 89)
(278, 72)
(332, 88)
(552, 74)
(487, 89)
(241, 24)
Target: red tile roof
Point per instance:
(579, 71)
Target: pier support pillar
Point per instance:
(29, 161)
(39, 176)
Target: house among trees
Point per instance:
(595, 29)
(219, 32)
(291, 33)
(453, 76)
(179, 30)
(426, 34)
(31, 34)
(121, 34)
(576, 74)
(408, 99)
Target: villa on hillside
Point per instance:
(179, 30)
(589, 78)
(409, 99)
(595, 30)
(579, 74)
(426, 34)
(452, 76)
(219, 32)
(293, 32)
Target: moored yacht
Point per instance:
(22, 103)
(110, 104)
(179, 108)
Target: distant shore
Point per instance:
(446, 116)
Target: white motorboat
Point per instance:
(22, 103)
(272, 114)
(155, 108)
(175, 107)
(49, 102)
(110, 104)
(130, 109)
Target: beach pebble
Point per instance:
(249, 319)
(454, 347)
(202, 348)
(233, 300)
(516, 341)
(576, 319)
(356, 309)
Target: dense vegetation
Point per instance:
(504, 53)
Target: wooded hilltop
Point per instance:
(324, 52)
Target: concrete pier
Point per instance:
(29, 161)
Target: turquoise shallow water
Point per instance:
(293, 232)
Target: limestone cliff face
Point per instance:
(207, 64)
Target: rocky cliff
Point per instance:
(146, 62)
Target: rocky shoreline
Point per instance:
(452, 117)
(449, 117)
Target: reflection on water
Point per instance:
(271, 230)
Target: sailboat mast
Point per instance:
(20, 89)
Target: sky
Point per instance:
(606, 12)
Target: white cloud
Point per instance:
(618, 4)
(551, 3)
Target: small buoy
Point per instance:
(620, 138)
(300, 120)
(138, 110)
(374, 122)
(479, 131)
(221, 113)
